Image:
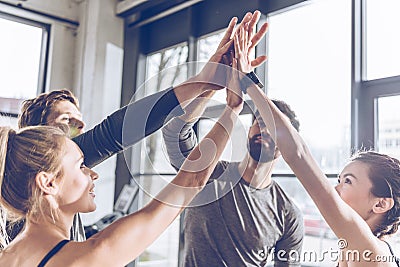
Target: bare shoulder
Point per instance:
(91, 252)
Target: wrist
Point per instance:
(250, 79)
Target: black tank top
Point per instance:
(52, 252)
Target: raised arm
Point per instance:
(141, 119)
(132, 123)
(179, 135)
(125, 239)
(343, 220)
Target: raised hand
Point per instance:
(242, 50)
(256, 38)
(213, 73)
(249, 22)
(249, 39)
(229, 32)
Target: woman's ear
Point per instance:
(47, 182)
(383, 205)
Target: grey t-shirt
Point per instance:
(230, 223)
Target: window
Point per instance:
(20, 64)
(206, 48)
(166, 68)
(309, 67)
(22, 61)
(8, 120)
(382, 53)
(163, 69)
(388, 142)
(387, 124)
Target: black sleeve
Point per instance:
(180, 139)
(127, 126)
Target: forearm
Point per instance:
(204, 157)
(180, 139)
(179, 136)
(297, 155)
(127, 126)
(287, 139)
(290, 144)
(148, 223)
(196, 108)
(192, 88)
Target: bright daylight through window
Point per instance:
(19, 67)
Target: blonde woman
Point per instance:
(44, 180)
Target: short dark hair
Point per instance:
(285, 109)
(36, 110)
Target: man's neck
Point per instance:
(257, 174)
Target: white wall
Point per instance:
(98, 82)
(86, 59)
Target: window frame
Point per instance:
(43, 62)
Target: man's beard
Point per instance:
(261, 152)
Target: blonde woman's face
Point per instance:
(354, 187)
(76, 192)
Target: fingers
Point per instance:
(253, 21)
(226, 47)
(258, 61)
(258, 36)
(245, 40)
(236, 45)
(241, 39)
(228, 33)
(245, 20)
(234, 64)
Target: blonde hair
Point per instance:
(23, 155)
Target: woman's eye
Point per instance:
(347, 181)
(66, 119)
(83, 166)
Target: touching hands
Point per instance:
(255, 38)
(244, 43)
(214, 71)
